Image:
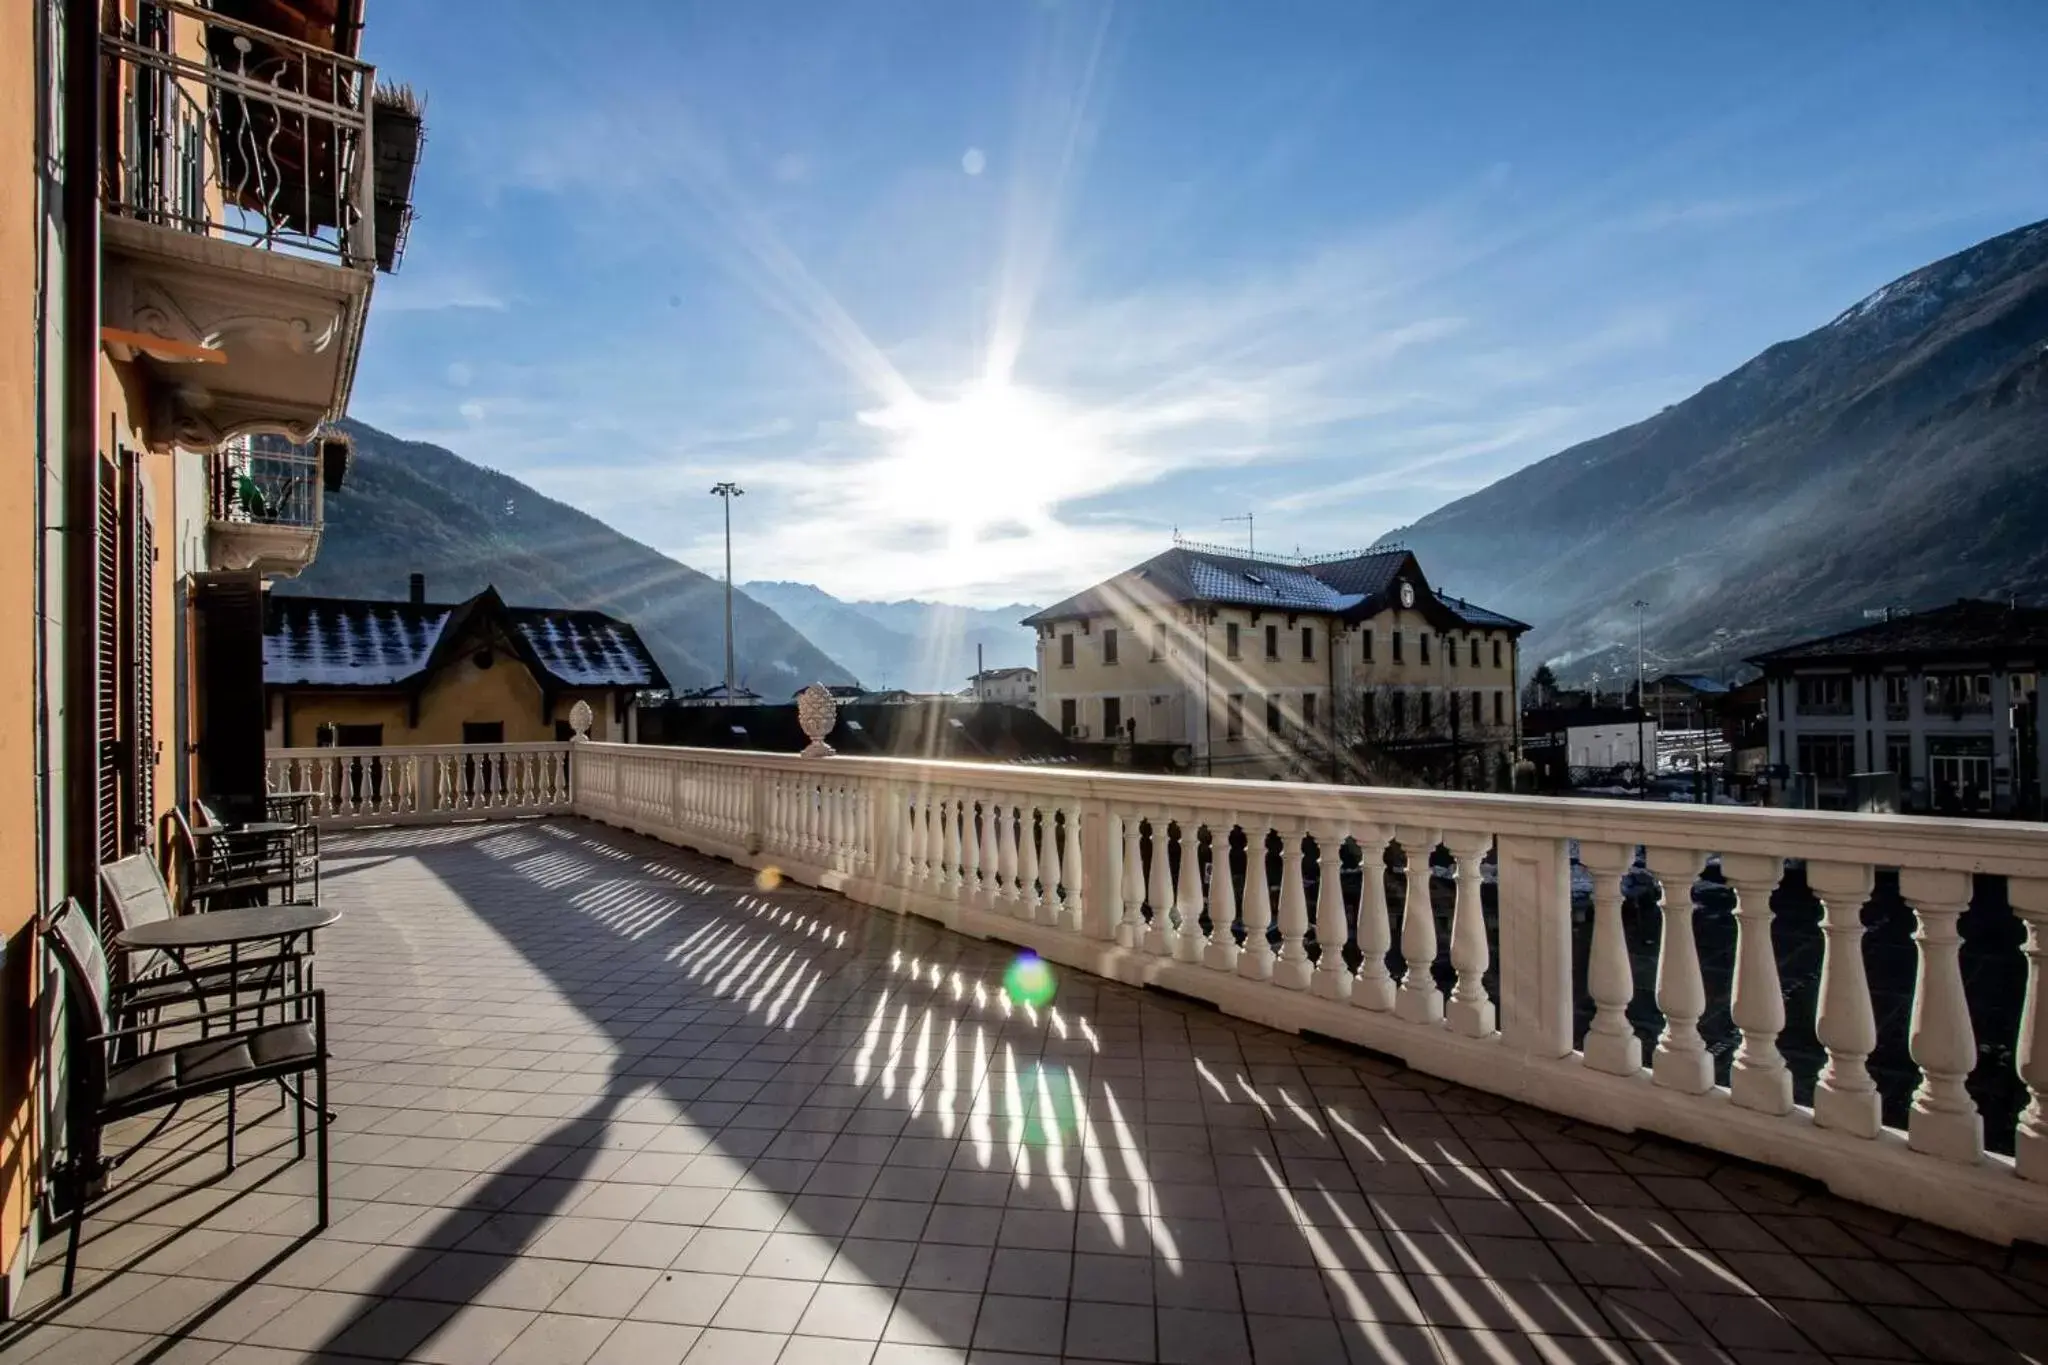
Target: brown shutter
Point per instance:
(143, 733)
(108, 679)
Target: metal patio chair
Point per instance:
(113, 1076)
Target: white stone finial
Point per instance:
(817, 711)
(579, 719)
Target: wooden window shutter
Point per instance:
(108, 680)
(143, 733)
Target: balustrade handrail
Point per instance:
(2006, 847)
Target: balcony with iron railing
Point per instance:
(267, 501)
(251, 184)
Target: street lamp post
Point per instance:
(1642, 757)
(728, 490)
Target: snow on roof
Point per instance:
(357, 642)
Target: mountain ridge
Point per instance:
(412, 506)
(1894, 455)
(910, 643)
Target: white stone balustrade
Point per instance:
(1105, 872)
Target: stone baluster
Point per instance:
(1255, 959)
(1418, 1001)
(1006, 856)
(1845, 1097)
(1159, 890)
(1028, 877)
(1611, 1042)
(1373, 987)
(1051, 868)
(1130, 930)
(1222, 951)
(2029, 897)
(1470, 1012)
(1332, 979)
(1682, 1061)
(1188, 942)
(916, 863)
(1293, 969)
(1944, 1121)
(949, 821)
(1759, 1079)
(970, 852)
(1076, 870)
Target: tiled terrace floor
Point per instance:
(604, 1101)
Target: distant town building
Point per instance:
(1347, 667)
(363, 673)
(1686, 701)
(717, 695)
(1572, 746)
(1012, 686)
(917, 728)
(1946, 699)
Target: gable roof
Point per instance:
(1967, 630)
(1692, 682)
(362, 642)
(1352, 587)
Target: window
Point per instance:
(564, 732)
(1272, 642)
(1496, 654)
(1230, 649)
(1070, 719)
(1397, 646)
(1476, 718)
(1308, 642)
(1826, 695)
(1958, 692)
(1067, 651)
(1233, 716)
(1898, 755)
(1475, 652)
(481, 731)
(1451, 651)
(1368, 711)
(1830, 758)
(1308, 710)
(1272, 715)
(1426, 699)
(1400, 712)
(1500, 708)
(1159, 639)
(1365, 635)
(1422, 645)
(1109, 646)
(1898, 696)
(354, 736)
(1112, 717)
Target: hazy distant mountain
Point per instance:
(922, 646)
(1897, 455)
(412, 507)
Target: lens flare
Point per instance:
(1029, 981)
(768, 878)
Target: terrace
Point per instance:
(602, 1097)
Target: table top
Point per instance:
(229, 926)
(264, 827)
(295, 794)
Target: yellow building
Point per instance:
(358, 673)
(1338, 668)
(196, 202)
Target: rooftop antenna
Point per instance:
(1251, 538)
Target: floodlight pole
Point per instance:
(728, 490)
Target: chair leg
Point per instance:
(297, 1100)
(231, 1128)
(78, 1187)
(320, 1136)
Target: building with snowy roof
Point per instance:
(1339, 667)
(358, 672)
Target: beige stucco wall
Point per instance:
(505, 692)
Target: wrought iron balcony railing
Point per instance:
(268, 481)
(229, 130)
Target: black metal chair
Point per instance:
(133, 891)
(221, 867)
(113, 1078)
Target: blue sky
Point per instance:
(980, 300)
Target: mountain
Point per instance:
(412, 507)
(921, 646)
(1896, 456)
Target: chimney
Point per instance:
(416, 589)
